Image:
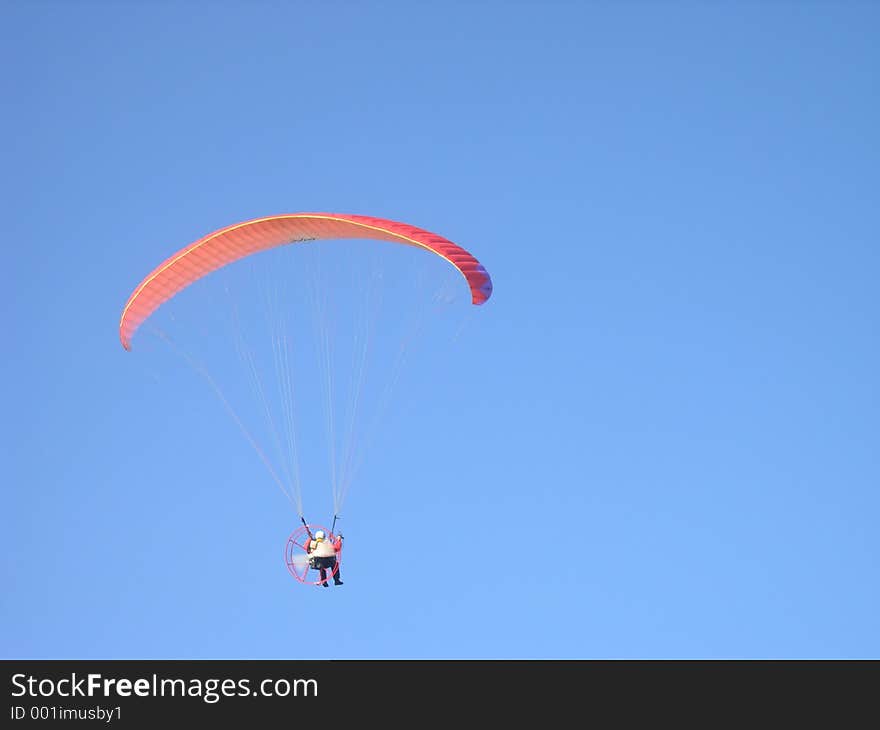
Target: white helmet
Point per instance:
(319, 535)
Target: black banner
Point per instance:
(134, 693)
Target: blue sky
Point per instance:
(658, 439)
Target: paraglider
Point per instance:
(319, 550)
(305, 550)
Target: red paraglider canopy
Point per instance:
(234, 242)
